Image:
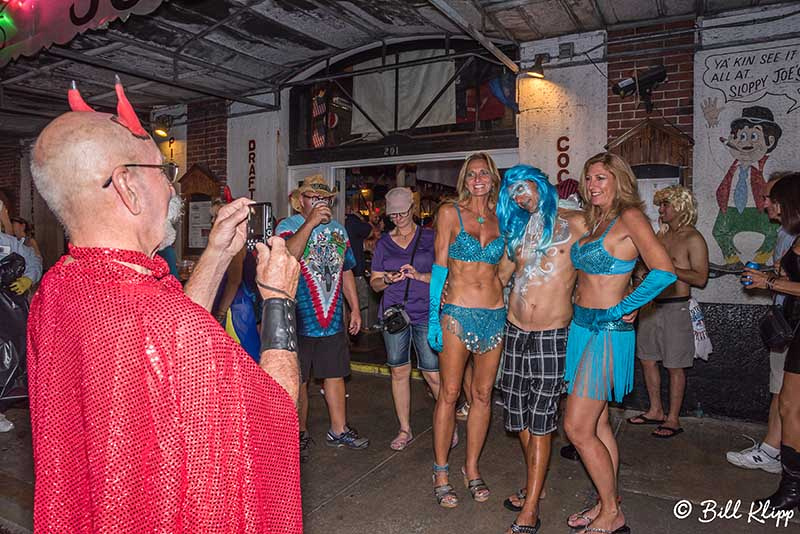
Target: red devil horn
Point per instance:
(126, 116)
(75, 99)
(226, 194)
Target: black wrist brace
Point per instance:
(278, 329)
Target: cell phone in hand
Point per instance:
(259, 224)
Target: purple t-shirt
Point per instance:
(389, 256)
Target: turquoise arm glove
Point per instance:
(438, 277)
(653, 284)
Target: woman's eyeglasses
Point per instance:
(400, 215)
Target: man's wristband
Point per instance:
(275, 289)
(278, 329)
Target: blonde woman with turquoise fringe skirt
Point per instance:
(601, 340)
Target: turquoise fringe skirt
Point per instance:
(599, 356)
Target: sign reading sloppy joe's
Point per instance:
(748, 75)
(30, 25)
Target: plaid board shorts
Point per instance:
(533, 378)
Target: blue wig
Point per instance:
(513, 219)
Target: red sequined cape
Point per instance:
(146, 415)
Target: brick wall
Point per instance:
(10, 176)
(207, 137)
(673, 99)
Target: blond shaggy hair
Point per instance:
(627, 191)
(682, 201)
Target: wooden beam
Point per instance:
(508, 4)
(462, 23)
(660, 8)
(699, 7)
(495, 22)
(528, 20)
(599, 12)
(572, 16)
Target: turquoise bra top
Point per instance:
(467, 247)
(592, 257)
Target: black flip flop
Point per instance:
(521, 495)
(672, 432)
(644, 420)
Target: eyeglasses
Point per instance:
(401, 214)
(169, 170)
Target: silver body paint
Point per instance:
(534, 267)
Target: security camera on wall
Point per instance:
(643, 84)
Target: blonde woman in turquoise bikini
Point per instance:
(600, 344)
(468, 248)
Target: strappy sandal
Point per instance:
(624, 529)
(526, 529)
(477, 487)
(403, 439)
(581, 516)
(445, 494)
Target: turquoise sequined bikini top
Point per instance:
(592, 257)
(467, 247)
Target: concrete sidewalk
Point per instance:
(380, 490)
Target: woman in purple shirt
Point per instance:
(392, 269)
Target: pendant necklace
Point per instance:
(478, 217)
(598, 223)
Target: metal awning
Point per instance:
(180, 51)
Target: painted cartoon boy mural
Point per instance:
(740, 195)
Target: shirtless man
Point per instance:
(665, 329)
(539, 237)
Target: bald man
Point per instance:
(146, 416)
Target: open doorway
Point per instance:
(362, 185)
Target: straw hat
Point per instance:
(311, 184)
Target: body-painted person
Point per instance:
(539, 235)
(600, 345)
(468, 248)
(146, 416)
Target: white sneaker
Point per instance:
(5, 424)
(755, 458)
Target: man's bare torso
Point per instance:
(677, 245)
(541, 296)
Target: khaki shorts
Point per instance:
(666, 334)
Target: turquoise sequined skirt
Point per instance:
(480, 329)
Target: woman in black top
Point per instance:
(786, 193)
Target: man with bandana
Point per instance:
(539, 236)
(146, 416)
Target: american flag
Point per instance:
(318, 106)
(318, 135)
(318, 114)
